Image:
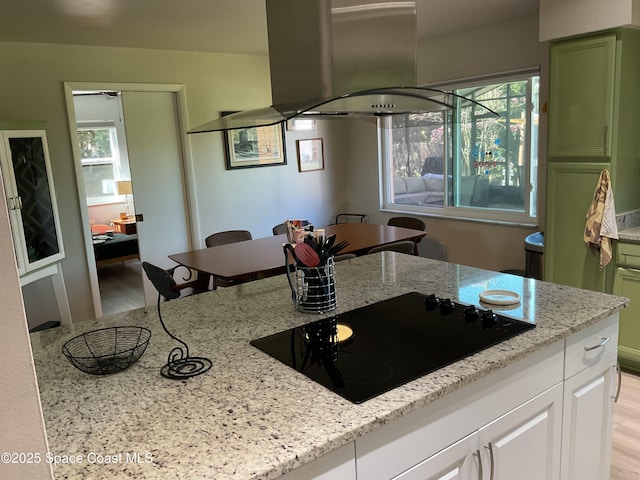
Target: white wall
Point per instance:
(255, 199)
(560, 19)
(473, 53)
(105, 213)
(21, 423)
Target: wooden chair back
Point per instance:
(228, 236)
(405, 246)
(409, 222)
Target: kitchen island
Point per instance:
(251, 417)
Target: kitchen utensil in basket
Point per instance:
(107, 350)
(313, 289)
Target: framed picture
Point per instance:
(310, 155)
(254, 147)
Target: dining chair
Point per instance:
(409, 222)
(405, 246)
(164, 282)
(350, 218)
(223, 238)
(180, 364)
(343, 256)
(280, 229)
(228, 236)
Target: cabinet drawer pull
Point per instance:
(606, 134)
(479, 457)
(619, 371)
(490, 448)
(604, 341)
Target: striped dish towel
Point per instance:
(601, 228)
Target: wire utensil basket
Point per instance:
(107, 350)
(313, 289)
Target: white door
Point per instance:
(459, 461)
(155, 156)
(524, 444)
(587, 426)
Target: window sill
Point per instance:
(98, 203)
(460, 216)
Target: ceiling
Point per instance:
(230, 26)
(233, 26)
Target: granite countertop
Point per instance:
(630, 234)
(629, 226)
(251, 417)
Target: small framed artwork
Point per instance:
(254, 147)
(310, 155)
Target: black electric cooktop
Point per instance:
(368, 351)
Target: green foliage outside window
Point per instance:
(95, 143)
(480, 160)
(100, 163)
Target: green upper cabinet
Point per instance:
(594, 123)
(581, 97)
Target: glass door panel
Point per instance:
(31, 199)
(32, 183)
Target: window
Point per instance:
(100, 162)
(467, 163)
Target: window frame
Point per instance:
(114, 160)
(528, 217)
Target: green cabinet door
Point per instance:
(581, 93)
(570, 189)
(627, 284)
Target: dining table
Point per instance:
(264, 257)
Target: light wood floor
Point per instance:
(121, 287)
(625, 457)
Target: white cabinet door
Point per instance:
(524, 444)
(155, 156)
(587, 424)
(460, 461)
(31, 199)
(337, 465)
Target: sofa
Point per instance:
(425, 190)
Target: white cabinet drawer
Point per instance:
(456, 462)
(337, 465)
(400, 445)
(589, 346)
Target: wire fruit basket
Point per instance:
(107, 350)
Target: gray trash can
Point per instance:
(534, 250)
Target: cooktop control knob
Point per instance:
(471, 314)
(489, 319)
(447, 306)
(431, 302)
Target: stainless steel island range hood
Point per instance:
(340, 58)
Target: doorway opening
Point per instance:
(109, 200)
(160, 173)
